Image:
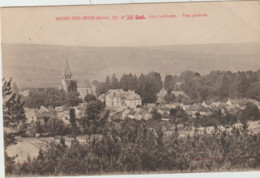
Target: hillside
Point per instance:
(35, 66)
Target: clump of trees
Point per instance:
(51, 97)
(147, 86)
(95, 118)
(217, 85)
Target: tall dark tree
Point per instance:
(114, 82)
(108, 83)
(224, 89)
(13, 115)
(168, 82)
(73, 122)
(101, 88)
(73, 86)
(131, 82)
(177, 116)
(149, 95)
(124, 82)
(140, 84)
(156, 80)
(13, 107)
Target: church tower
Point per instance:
(66, 78)
(67, 73)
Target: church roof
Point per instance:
(84, 84)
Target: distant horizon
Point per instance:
(41, 66)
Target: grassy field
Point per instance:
(30, 146)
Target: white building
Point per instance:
(120, 98)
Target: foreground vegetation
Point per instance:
(133, 147)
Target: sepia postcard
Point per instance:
(131, 89)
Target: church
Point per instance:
(69, 85)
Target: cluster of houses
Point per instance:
(60, 112)
(204, 109)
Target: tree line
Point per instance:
(218, 85)
(51, 97)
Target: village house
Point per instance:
(119, 98)
(179, 95)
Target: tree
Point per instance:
(124, 82)
(108, 83)
(178, 115)
(140, 84)
(73, 122)
(131, 82)
(13, 107)
(56, 126)
(49, 97)
(114, 82)
(101, 88)
(93, 121)
(243, 84)
(168, 82)
(149, 94)
(72, 99)
(251, 112)
(155, 79)
(13, 115)
(93, 110)
(90, 97)
(73, 86)
(254, 91)
(224, 89)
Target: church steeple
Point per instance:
(67, 73)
